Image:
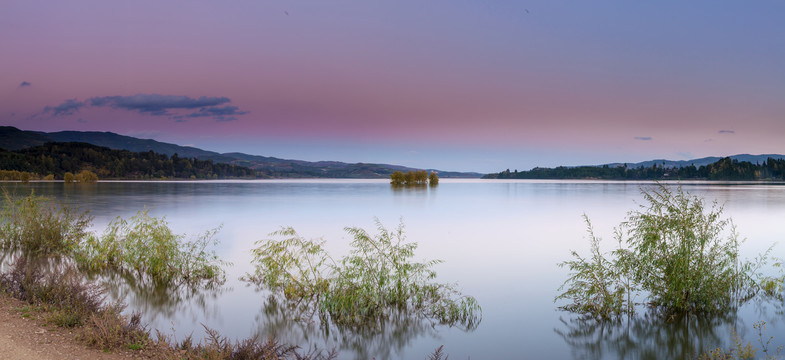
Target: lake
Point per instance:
(500, 242)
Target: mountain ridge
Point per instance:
(697, 162)
(12, 138)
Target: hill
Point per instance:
(730, 169)
(755, 159)
(56, 159)
(14, 139)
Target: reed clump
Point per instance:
(680, 253)
(36, 226)
(147, 247)
(361, 289)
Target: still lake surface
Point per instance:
(500, 242)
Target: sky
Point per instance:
(462, 85)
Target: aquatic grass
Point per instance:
(146, 246)
(39, 226)
(741, 350)
(363, 288)
(679, 252)
(596, 284)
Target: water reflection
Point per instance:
(164, 300)
(499, 239)
(650, 337)
(385, 339)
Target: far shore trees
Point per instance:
(411, 178)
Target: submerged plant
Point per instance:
(38, 226)
(596, 285)
(377, 277)
(145, 245)
(680, 253)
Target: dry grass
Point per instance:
(61, 295)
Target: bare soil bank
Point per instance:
(23, 336)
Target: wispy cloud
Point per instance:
(217, 111)
(25, 84)
(68, 107)
(727, 132)
(643, 138)
(225, 118)
(158, 105)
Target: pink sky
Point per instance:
(475, 86)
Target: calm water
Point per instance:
(500, 242)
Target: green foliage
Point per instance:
(596, 285)
(147, 246)
(684, 256)
(397, 178)
(412, 178)
(296, 267)
(38, 226)
(22, 176)
(433, 179)
(86, 176)
(363, 288)
(68, 177)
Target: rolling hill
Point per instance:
(12, 138)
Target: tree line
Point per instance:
(54, 160)
(723, 169)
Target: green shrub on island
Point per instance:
(681, 254)
(23, 176)
(412, 178)
(377, 277)
(86, 176)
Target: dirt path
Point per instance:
(23, 338)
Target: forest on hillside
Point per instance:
(724, 169)
(59, 158)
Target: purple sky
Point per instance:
(453, 84)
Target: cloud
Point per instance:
(224, 118)
(727, 132)
(217, 111)
(643, 138)
(156, 104)
(25, 84)
(686, 155)
(68, 107)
